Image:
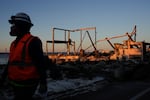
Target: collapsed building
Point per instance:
(131, 49)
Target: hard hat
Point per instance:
(20, 17)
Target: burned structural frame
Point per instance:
(69, 41)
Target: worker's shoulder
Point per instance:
(35, 39)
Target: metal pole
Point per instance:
(95, 38)
(91, 40)
(53, 40)
(110, 43)
(46, 48)
(68, 52)
(81, 38)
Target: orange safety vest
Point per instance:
(20, 66)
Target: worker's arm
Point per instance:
(36, 52)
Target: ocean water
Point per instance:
(4, 58)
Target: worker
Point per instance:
(26, 70)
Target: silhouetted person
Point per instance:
(26, 69)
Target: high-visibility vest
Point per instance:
(20, 65)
